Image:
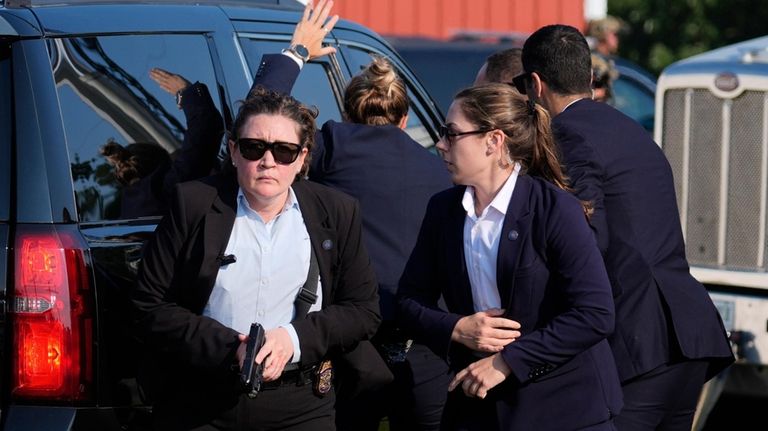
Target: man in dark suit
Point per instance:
(669, 339)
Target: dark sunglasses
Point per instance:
(520, 82)
(446, 133)
(284, 153)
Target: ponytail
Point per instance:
(526, 126)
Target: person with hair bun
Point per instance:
(370, 157)
(529, 304)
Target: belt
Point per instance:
(293, 375)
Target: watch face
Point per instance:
(301, 51)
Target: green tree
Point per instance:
(664, 31)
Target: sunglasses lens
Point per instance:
(285, 153)
(252, 149)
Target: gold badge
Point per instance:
(323, 378)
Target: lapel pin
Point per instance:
(513, 235)
(327, 244)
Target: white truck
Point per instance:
(712, 123)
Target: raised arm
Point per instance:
(279, 71)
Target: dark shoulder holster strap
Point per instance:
(308, 294)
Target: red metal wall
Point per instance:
(443, 18)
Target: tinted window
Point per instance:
(635, 100)
(358, 59)
(6, 122)
(447, 69)
(314, 85)
(106, 95)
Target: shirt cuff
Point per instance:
(295, 340)
(294, 57)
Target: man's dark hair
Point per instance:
(504, 65)
(559, 54)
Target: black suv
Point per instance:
(72, 78)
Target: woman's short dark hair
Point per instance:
(268, 102)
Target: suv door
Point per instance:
(107, 97)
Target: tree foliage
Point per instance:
(663, 31)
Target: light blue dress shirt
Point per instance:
(272, 261)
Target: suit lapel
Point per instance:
(514, 234)
(217, 228)
(455, 260)
(321, 235)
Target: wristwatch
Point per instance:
(299, 51)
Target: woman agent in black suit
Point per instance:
(238, 248)
(529, 302)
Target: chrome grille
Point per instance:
(716, 148)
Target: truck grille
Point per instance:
(718, 149)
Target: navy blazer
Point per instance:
(390, 174)
(613, 162)
(195, 354)
(551, 279)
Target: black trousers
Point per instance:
(663, 399)
(414, 401)
(288, 407)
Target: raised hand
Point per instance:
(170, 82)
(313, 28)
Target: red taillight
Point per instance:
(51, 316)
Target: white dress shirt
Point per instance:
(481, 242)
(272, 262)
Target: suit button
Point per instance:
(513, 235)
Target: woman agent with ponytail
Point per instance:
(509, 249)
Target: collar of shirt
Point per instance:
(500, 202)
(244, 208)
(571, 103)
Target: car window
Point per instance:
(6, 128)
(447, 70)
(313, 87)
(107, 97)
(634, 100)
(358, 59)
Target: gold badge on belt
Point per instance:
(323, 378)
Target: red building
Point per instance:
(445, 18)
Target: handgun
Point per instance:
(251, 373)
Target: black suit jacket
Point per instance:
(390, 174)
(614, 163)
(196, 354)
(551, 279)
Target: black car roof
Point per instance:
(286, 4)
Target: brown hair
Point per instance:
(376, 96)
(504, 65)
(135, 161)
(268, 102)
(526, 126)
